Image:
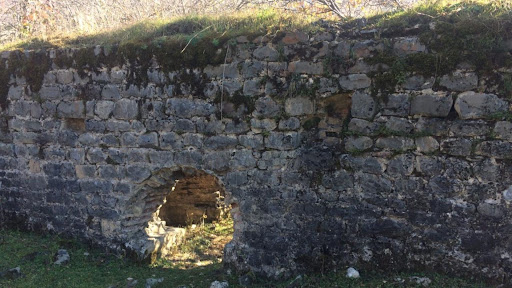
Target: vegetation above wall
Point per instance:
(475, 32)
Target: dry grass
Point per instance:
(203, 245)
(249, 22)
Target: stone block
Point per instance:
(253, 141)
(96, 155)
(299, 106)
(498, 149)
(187, 108)
(252, 87)
(460, 81)
(395, 143)
(490, 210)
(148, 140)
(85, 171)
(266, 53)
(503, 130)
(291, 123)
(431, 104)
(220, 142)
(76, 155)
(161, 158)
(427, 144)
(363, 106)
(251, 69)
(471, 105)
(15, 92)
(303, 67)
(171, 140)
(50, 93)
(456, 147)
(429, 165)
(137, 173)
(401, 165)
(118, 126)
(400, 125)
(126, 109)
(129, 139)
(104, 109)
(233, 127)
(192, 139)
(108, 172)
(242, 159)
(236, 179)
(283, 140)
(110, 92)
(95, 186)
(396, 105)
(258, 126)
(222, 71)
(355, 82)
(358, 143)
(408, 45)
(75, 109)
(266, 107)
(60, 169)
(64, 76)
(465, 128)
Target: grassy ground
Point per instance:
(486, 16)
(196, 263)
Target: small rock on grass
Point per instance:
(11, 273)
(423, 281)
(352, 273)
(61, 257)
(218, 284)
(130, 282)
(150, 282)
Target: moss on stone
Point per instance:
(311, 123)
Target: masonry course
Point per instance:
(414, 178)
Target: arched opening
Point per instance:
(193, 200)
(184, 207)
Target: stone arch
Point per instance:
(156, 202)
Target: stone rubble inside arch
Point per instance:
(192, 200)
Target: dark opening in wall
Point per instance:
(181, 203)
(193, 200)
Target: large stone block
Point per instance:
(472, 105)
(395, 143)
(220, 142)
(355, 82)
(126, 109)
(104, 109)
(503, 130)
(299, 106)
(358, 143)
(396, 105)
(431, 104)
(409, 45)
(302, 67)
(498, 149)
(283, 140)
(460, 81)
(266, 53)
(74, 109)
(457, 147)
(363, 106)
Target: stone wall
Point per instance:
(328, 154)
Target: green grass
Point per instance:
(34, 254)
